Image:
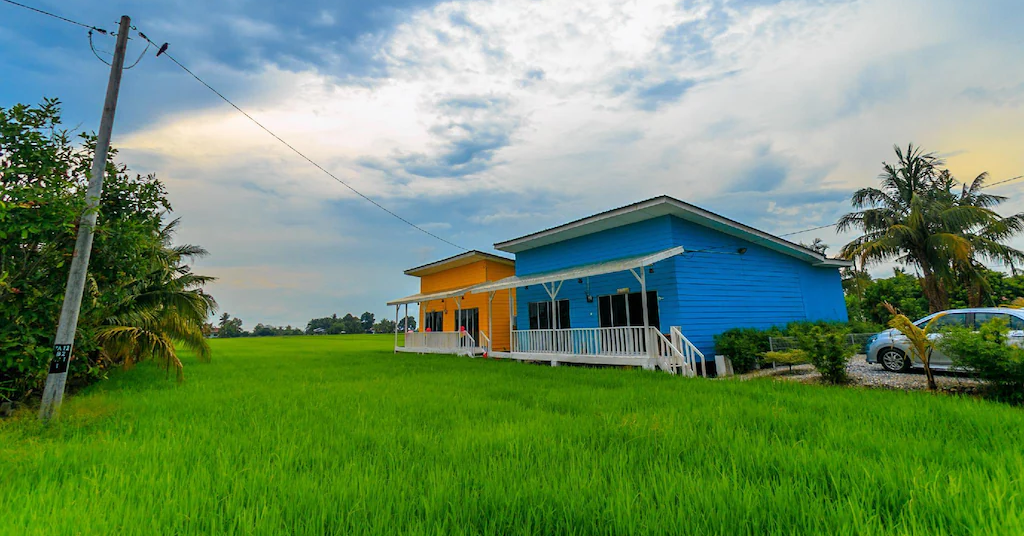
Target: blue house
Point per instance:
(652, 283)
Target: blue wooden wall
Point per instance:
(705, 292)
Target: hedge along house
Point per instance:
(652, 283)
(451, 320)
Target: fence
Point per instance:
(784, 344)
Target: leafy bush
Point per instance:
(829, 350)
(743, 346)
(860, 326)
(43, 177)
(789, 357)
(987, 356)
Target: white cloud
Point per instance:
(584, 106)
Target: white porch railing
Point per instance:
(691, 357)
(440, 340)
(675, 354)
(622, 341)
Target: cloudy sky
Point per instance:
(481, 121)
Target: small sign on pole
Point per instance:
(61, 358)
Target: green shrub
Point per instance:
(986, 356)
(861, 326)
(743, 346)
(829, 350)
(789, 357)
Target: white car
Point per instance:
(892, 350)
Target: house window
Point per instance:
(541, 317)
(618, 310)
(433, 321)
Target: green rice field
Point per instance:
(337, 435)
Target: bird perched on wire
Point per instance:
(163, 47)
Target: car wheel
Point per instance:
(893, 359)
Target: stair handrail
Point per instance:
(675, 357)
(689, 351)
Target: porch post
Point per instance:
(490, 321)
(406, 319)
(396, 326)
(647, 320)
(458, 318)
(511, 320)
(554, 304)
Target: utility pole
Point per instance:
(53, 392)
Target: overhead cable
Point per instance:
(163, 51)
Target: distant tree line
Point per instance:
(364, 323)
(229, 327)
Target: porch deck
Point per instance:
(441, 342)
(618, 346)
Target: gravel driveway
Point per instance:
(873, 375)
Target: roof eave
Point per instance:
(745, 231)
(436, 266)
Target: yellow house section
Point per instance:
(464, 276)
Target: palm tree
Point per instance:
(166, 307)
(918, 219)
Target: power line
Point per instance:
(809, 230)
(1003, 181)
(837, 223)
(54, 15)
(296, 151)
(92, 47)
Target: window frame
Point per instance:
(607, 306)
(432, 319)
(536, 311)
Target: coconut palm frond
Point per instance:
(130, 345)
(168, 306)
(921, 216)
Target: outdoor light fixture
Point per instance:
(580, 280)
(741, 251)
(650, 270)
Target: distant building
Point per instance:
(446, 307)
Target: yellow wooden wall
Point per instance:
(463, 276)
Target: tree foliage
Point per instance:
(407, 324)
(140, 293)
(921, 217)
(384, 326)
(865, 297)
(366, 320)
(229, 327)
(988, 355)
(332, 325)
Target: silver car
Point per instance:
(892, 349)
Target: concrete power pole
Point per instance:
(53, 392)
